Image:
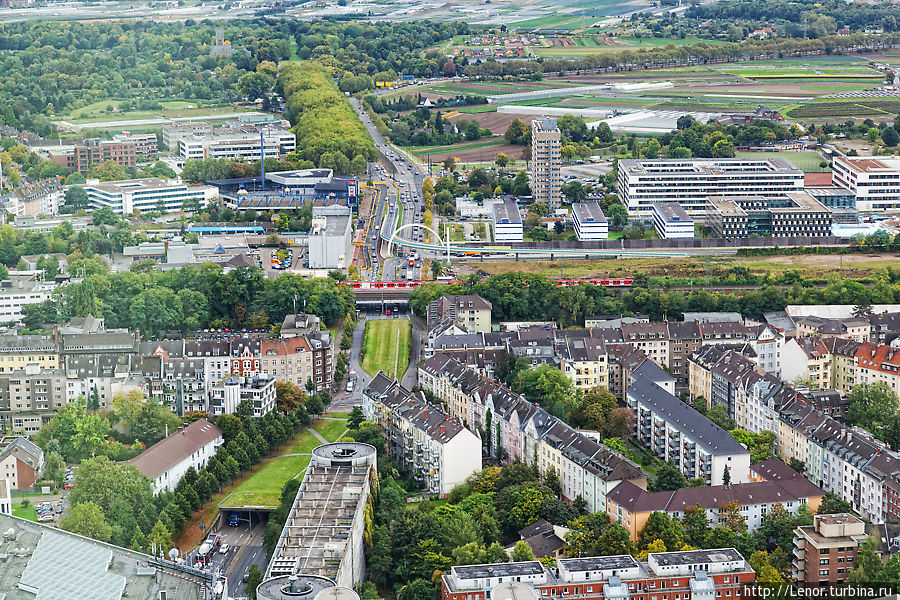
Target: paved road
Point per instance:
(342, 401)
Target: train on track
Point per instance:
(406, 285)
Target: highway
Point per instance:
(399, 202)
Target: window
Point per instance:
(823, 561)
(823, 572)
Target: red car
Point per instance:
(68, 486)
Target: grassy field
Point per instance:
(329, 429)
(174, 108)
(28, 512)
(810, 266)
(386, 346)
(808, 162)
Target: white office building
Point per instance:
(241, 145)
(18, 292)
(507, 222)
(231, 391)
(590, 222)
(144, 195)
(875, 181)
(690, 181)
(671, 221)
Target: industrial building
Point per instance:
(507, 222)
(691, 181)
(671, 221)
(145, 195)
(874, 181)
(323, 534)
(288, 189)
(700, 574)
(794, 215)
(545, 161)
(590, 222)
(330, 240)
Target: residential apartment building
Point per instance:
(855, 329)
(806, 359)
(719, 574)
(875, 181)
(227, 395)
(191, 446)
(545, 161)
(676, 433)
(21, 462)
(29, 397)
(590, 222)
(145, 195)
(631, 506)
(825, 552)
(145, 144)
(684, 341)
(652, 338)
(19, 292)
(690, 182)
(92, 152)
(42, 197)
(471, 312)
(5, 497)
(434, 448)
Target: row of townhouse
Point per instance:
(41, 373)
(431, 446)
(589, 357)
(715, 574)
(847, 461)
(518, 430)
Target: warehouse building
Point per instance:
(671, 221)
(690, 182)
(797, 214)
(330, 243)
(590, 222)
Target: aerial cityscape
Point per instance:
(463, 300)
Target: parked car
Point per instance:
(45, 518)
(224, 548)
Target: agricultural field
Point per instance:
(386, 346)
(884, 109)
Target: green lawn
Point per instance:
(808, 161)
(386, 346)
(26, 513)
(330, 430)
(263, 488)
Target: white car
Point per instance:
(224, 548)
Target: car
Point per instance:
(69, 485)
(224, 548)
(59, 508)
(45, 518)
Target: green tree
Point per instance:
(356, 418)
(522, 552)
(76, 198)
(614, 541)
(868, 565)
(660, 526)
(254, 578)
(159, 540)
(696, 526)
(86, 518)
(833, 504)
(668, 477)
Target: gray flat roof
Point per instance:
(671, 212)
(499, 570)
(507, 212)
(692, 424)
(588, 212)
(691, 557)
(708, 166)
(598, 563)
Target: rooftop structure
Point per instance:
(795, 214)
(42, 562)
(324, 529)
(690, 181)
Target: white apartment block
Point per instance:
(5, 497)
(230, 392)
(276, 142)
(17, 293)
(546, 161)
(690, 181)
(145, 195)
(590, 222)
(165, 462)
(875, 181)
(675, 432)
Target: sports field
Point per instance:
(808, 161)
(386, 346)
